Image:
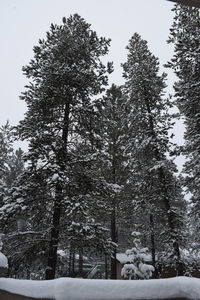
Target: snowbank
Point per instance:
(3, 261)
(85, 289)
(29, 288)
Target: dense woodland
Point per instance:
(100, 160)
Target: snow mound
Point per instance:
(3, 261)
(123, 258)
(85, 289)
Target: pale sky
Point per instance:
(23, 22)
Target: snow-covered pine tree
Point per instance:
(11, 166)
(11, 162)
(155, 186)
(27, 214)
(6, 152)
(65, 73)
(5, 149)
(139, 266)
(113, 161)
(85, 228)
(184, 34)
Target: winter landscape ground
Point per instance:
(83, 289)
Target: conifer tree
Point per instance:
(139, 266)
(11, 161)
(154, 184)
(6, 152)
(113, 161)
(184, 34)
(64, 74)
(11, 167)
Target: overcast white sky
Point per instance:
(23, 22)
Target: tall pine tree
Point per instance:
(113, 161)
(184, 34)
(65, 73)
(155, 186)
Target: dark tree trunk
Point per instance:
(53, 246)
(71, 272)
(80, 263)
(73, 263)
(153, 249)
(114, 239)
(54, 239)
(113, 214)
(70, 261)
(106, 266)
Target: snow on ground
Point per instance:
(3, 261)
(29, 288)
(85, 289)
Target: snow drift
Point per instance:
(85, 289)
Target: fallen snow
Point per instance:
(123, 258)
(29, 288)
(86, 289)
(3, 261)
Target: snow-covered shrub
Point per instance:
(139, 258)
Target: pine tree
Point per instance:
(5, 156)
(85, 229)
(11, 161)
(11, 167)
(65, 73)
(113, 161)
(6, 152)
(139, 266)
(184, 34)
(154, 185)
(25, 216)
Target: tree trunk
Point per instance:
(70, 261)
(80, 263)
(53, 246)
(114, 239)
(71, 272)
(54, 240)
(106, 266)
(73, 263)
(113, 214)
(153, 250)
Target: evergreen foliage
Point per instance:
(139, 266)
(65, 73)
(113, 161)
(184, 34)
(99, 162)
(154, 185)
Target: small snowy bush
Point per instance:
(137, 268)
